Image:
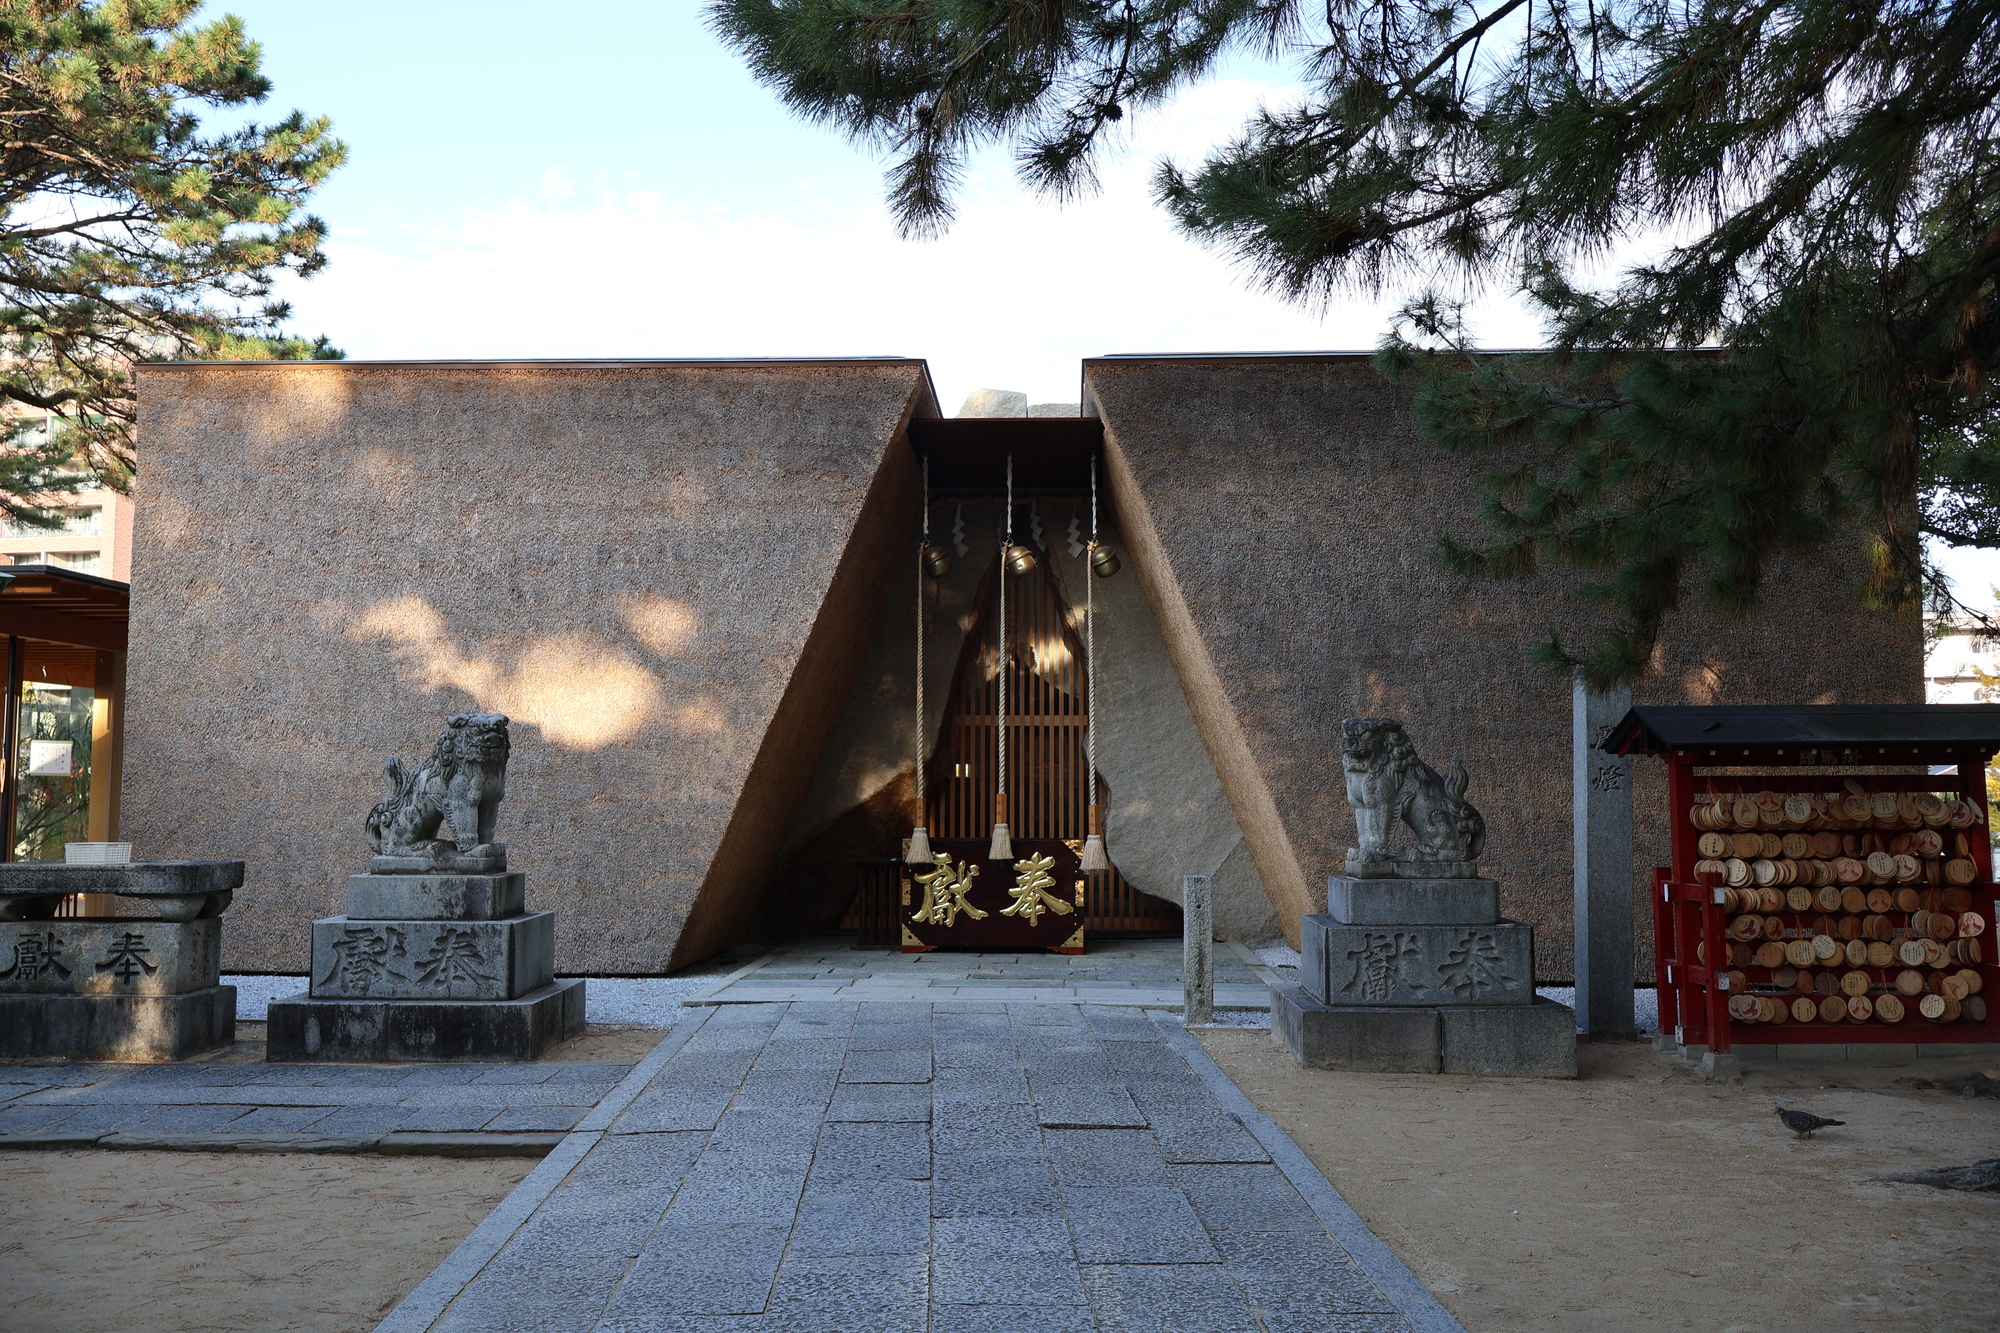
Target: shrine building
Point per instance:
(697, 588)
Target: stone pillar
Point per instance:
(1198, 949)
(1602, 838)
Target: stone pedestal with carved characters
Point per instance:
(118, 987)
(430, 966)
(1420, 976)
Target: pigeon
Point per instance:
(1803, 1123)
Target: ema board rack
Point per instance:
(1814, 899)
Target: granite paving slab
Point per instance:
(288, 1103)
(1012, 1168)
(1129, 974)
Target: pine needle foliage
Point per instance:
(1816, 182)
(126, 233)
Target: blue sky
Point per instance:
(526, 184)
(529, 180)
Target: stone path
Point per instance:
(1144, 972)
(298, 1107)
(957, 1167)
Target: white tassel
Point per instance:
(1003, 844)
(1093, 857)
(920, 848)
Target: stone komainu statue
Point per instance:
(460, 785)
(1388, 783)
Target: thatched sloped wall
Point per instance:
(665, 573)
(1280, 513)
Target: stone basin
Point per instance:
(180, 890)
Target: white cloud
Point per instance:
(1013, 297)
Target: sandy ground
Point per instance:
(187, 1242)
(191, 1242)
(1641, 1197)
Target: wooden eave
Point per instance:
(63, 606)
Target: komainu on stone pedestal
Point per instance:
(438, 957)
(459, 789)
(1412, 968)
(1388, 784)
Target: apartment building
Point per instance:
(95, 536)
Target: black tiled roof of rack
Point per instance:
(1654, 729)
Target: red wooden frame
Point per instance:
(1686, 911)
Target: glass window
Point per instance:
(25, 558)
(83, 562)
(77, 521)
(52, 757)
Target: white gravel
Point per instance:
(1280, 955)
(254, 994)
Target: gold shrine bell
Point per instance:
(1020, 560)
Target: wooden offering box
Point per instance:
(1811, 901)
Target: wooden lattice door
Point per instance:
(1048, 775)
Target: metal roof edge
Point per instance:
(9, 572)
(1329, 355)
(1656, 728)
(501, 363)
